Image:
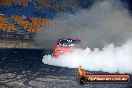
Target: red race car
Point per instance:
(66, 45)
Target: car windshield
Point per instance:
(69, 43)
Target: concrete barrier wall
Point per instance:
(6, 43)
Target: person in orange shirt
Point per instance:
(81, 75)
(81, 71)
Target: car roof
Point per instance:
(69, 38)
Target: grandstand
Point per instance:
(16, 2)
(22, 24)
(21, 19)
(5, 25)
(31, 25)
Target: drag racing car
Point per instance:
(66, 45)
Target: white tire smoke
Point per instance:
(109, 59)
(105, 22)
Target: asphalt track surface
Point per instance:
(30, 72)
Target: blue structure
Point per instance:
(32, 10)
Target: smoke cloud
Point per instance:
(110, 59)
(103, 23)
(105, 28)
